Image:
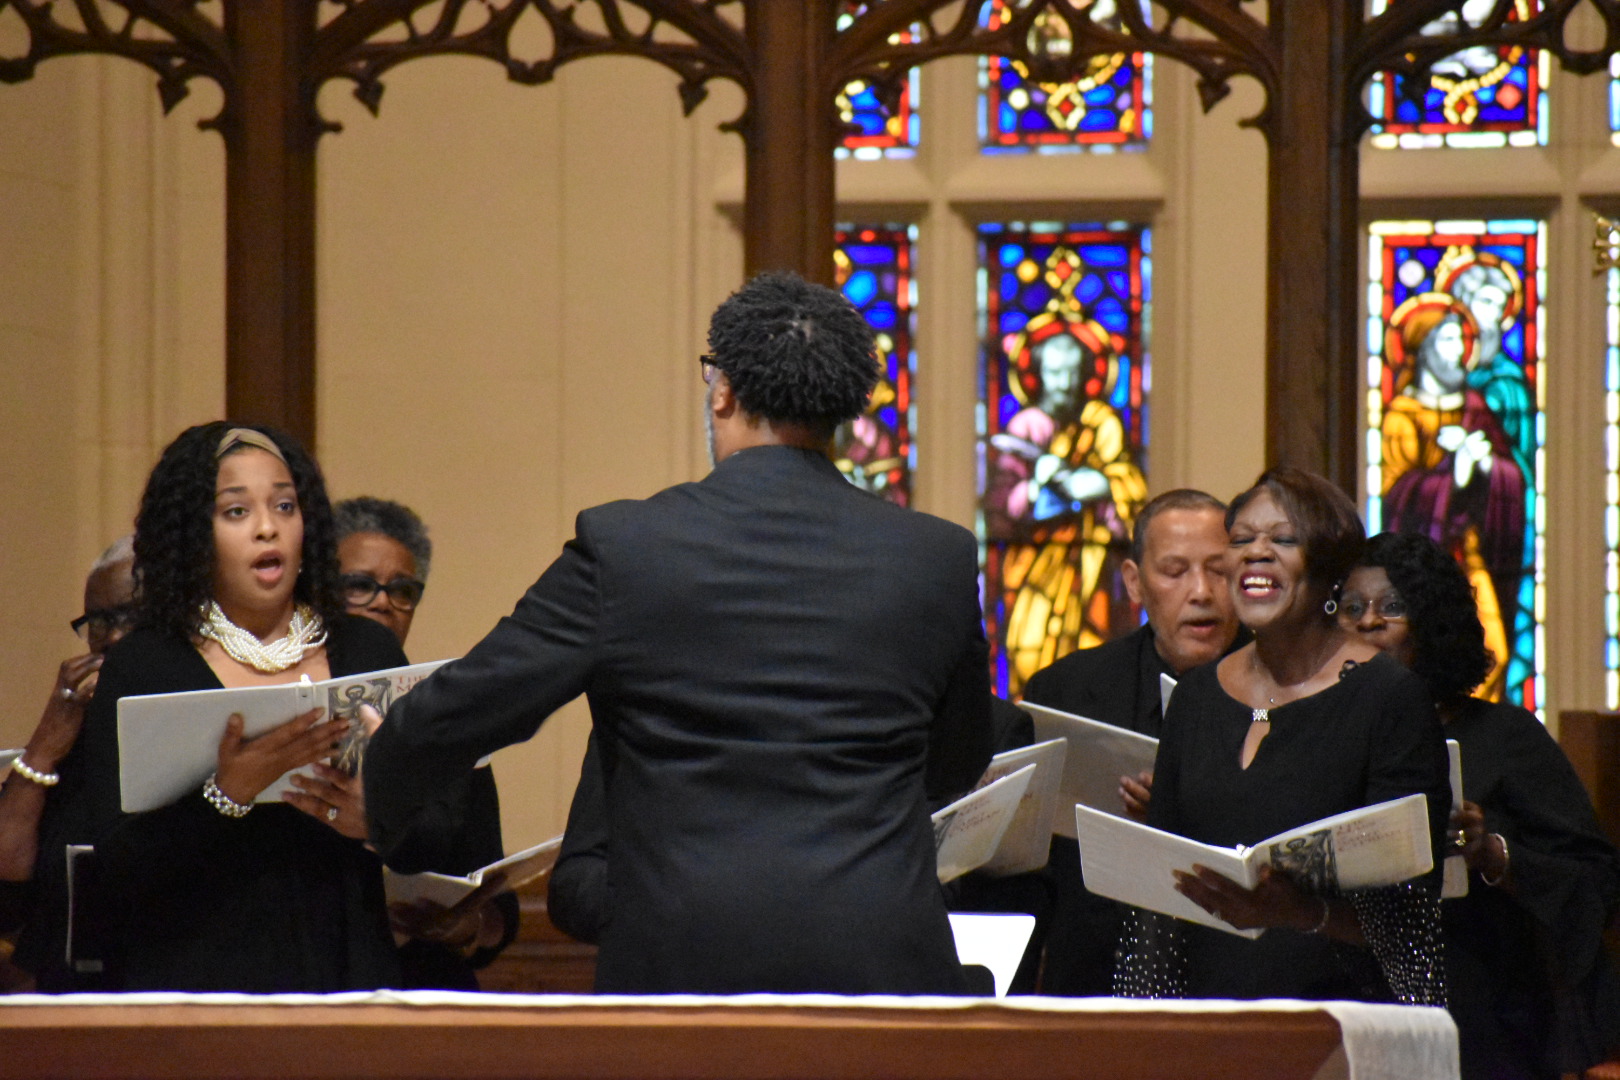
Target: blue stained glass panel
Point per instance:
(874, 269)
(1485, 96)
(1108, 108)
(1064, 436)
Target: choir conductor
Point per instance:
(782, 670)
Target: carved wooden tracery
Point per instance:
(1312, 59)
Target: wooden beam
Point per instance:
(791, 131)
(1313, 192)
(270, 131)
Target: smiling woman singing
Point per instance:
(236, 570)
(1302, 723)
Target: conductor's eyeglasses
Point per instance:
(707, 367)
(404, 593)
(1389, 607)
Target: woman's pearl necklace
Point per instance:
(306, 632)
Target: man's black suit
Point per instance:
(1116, 683)
(781, 669)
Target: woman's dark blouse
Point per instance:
(1527, 978)
(1371, 737)
(272, 902)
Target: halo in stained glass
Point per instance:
(1454, 424)
(1480, 97)
(873, 268)
(1063, 424)
(879, 122)
(1109, 108)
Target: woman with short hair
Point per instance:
(1302, 723)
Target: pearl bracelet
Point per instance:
(223, 802)
(27, 772)
(1327, 913)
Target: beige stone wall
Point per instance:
(514, 287)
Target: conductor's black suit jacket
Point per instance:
(780, 669)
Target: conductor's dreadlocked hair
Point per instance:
(794, 352)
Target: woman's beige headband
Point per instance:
(241, 436)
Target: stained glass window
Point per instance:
(878, 124)
(1063, 426)
(1109, 108)
(1485, 96)
(1455, 425)
(1611, 509)
(874, 270)
(1614, 99)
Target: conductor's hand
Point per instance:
(1275, 902)
(462, 926)
(334, 797)
(248, 766)
(1135, 792)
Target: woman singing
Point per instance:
(1303, 723)
(236, 568)
(1528, 978)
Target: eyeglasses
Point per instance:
(404, 593)
(707, 366)
(1389, 607)
(103, 622)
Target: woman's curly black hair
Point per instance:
(174, 531)
(794, 352)
(1448, 641)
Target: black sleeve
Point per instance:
(1011, 727)
(577, 897)
(1163, 811)
(1565, 872)
(1408, 755)
(959, 741)
(535, 660)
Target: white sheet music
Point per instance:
(1099, 754)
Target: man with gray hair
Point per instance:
(109, 613)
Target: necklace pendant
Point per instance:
(1261, 716)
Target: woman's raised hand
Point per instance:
(248, 766)
(59, 725)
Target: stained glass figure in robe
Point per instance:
(879, 122)
(1484, 96)
(873, 268)
(1110, 107)
(1455, 340)
(1063, 436)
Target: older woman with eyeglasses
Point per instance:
(1527, 979)
(384, 555)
